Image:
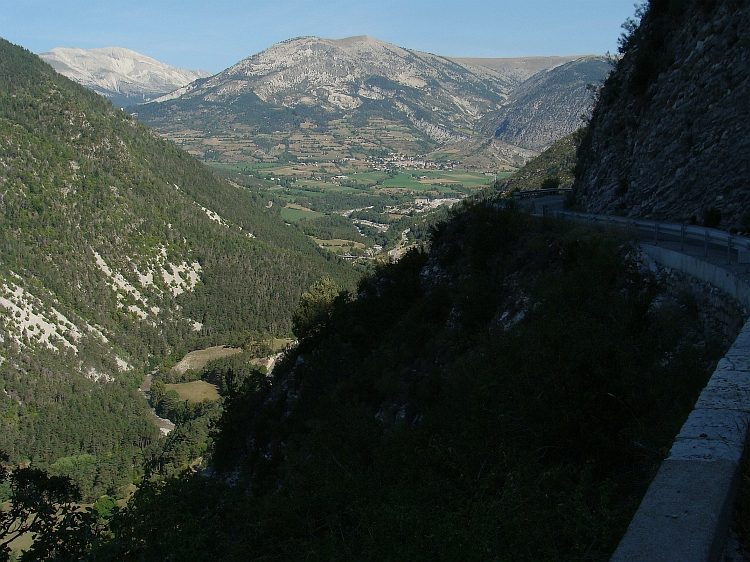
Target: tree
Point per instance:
(47, 507)
(158, 389)
(314, 307)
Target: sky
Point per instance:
(214, 34)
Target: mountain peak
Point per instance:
(346, 41)
(122, 75)
(316, 84)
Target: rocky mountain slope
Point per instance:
(669, 137)
(121, 75)
(116, 249)
(323, 87)
(515, 69)
(550, 104)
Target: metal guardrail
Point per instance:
(532, 193)
(737, 248)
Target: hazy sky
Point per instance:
(214, 34)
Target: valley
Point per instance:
(384, 137)
(311, 269)
(355, 211)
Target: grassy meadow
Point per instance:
(196, 391)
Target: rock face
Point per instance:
(121, 75)
(670, 136)
(550, 104)
(439, 97)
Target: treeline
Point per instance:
(331, 227)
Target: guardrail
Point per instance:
(531, 193)
(737, 248)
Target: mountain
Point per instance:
(669, 136)
(499, 396)
(550, 104)
(516, 69)
(359, 98)
(116, 251)
(121, 75)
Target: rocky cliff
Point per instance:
(550, 104)
(669, 137)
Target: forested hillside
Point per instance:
(505, 393)
(500, 398)
(553, 168)
(117, 249)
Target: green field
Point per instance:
(195, 391)
(423, 181)
(309, 191)
(291, 214)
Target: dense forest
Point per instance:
(500, 397)
(118, 250)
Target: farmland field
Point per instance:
(196, 360)
(195, 391)
(368, 193)
(293, 213)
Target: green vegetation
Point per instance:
(47, 509)
(553, 168)
(315, 308)
(293, 214)
(98, 215)
(331, 227)
(195, 391)
(497, 393)
(92, 432)
(314, 199)
(511, 405)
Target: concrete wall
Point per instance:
(702, 270)
(686, 511)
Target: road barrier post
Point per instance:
(705, 245)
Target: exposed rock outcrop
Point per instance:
(550, 104)
(669, 137)
(314, 86)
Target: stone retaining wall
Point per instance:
(686, 511)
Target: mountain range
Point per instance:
(363, 97)
(121, 75)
